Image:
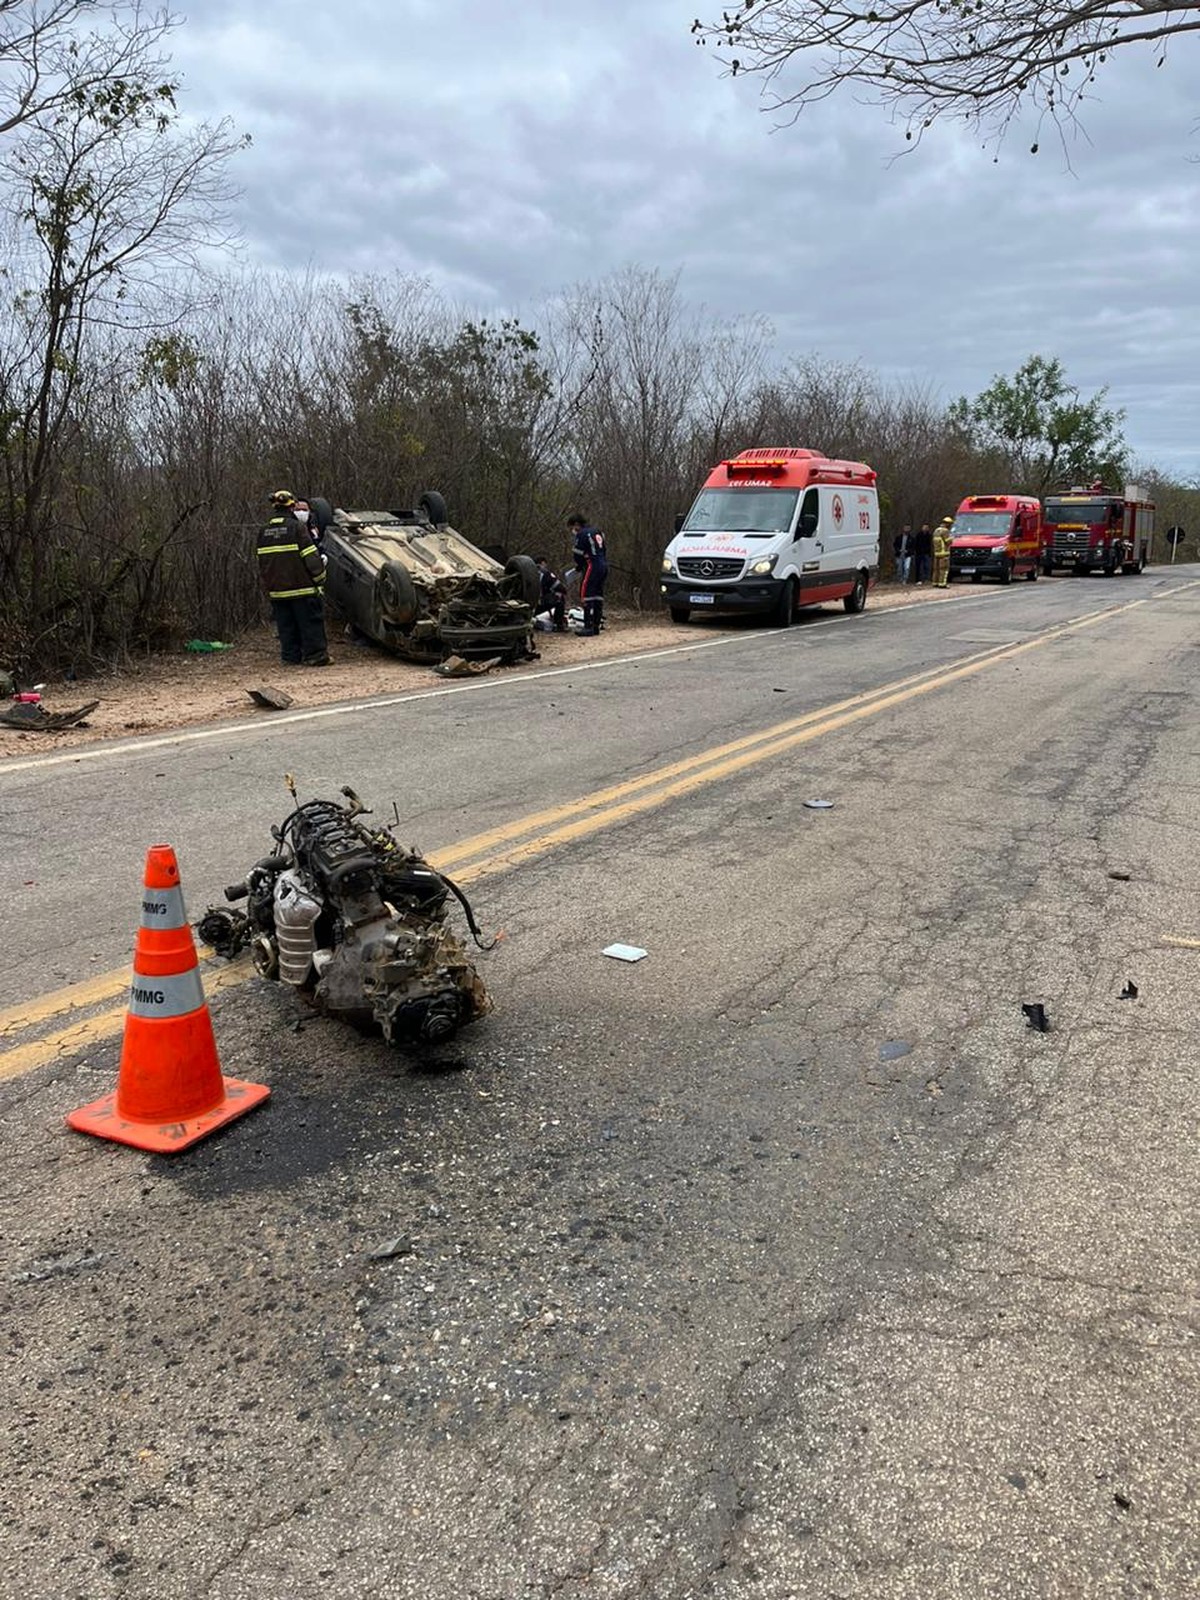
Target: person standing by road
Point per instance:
(922, 553)
(941, 554)
(902, 552)
(589, 548)
(292, 574)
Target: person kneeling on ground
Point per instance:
(552, 601)
(589, 549)
(293, 574)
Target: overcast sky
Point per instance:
(506, 150)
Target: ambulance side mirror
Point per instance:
(680, 519)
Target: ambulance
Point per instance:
(996, 536)
(773, 530)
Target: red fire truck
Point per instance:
(1097, 530)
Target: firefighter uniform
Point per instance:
(941, 554)
(591, 561)
(293, 574)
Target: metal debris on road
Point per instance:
(1036, 1013)
(819, 805)
(1121, 877)
(624, 952)
(1130, 991)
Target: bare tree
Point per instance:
(931, 58)
(58, 56)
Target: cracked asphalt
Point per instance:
(788, 1264)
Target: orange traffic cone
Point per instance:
(170, 1092)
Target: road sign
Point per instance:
(1175, 535)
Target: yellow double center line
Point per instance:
(512, 845)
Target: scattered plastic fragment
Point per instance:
(204, 647)
(819, 805)
(456, 667)
(1121, 877)
(1130, 991)
(393, 1248)
(893, 1049)
(1036, 1012)
(624, 952)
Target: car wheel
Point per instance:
(1032, 575)
(680, 613)
(395, 595)
(1006, 572)
(434, 507)
(521, 580)
(856, 600)
(785, 606)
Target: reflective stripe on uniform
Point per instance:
(172, 996)
(163, 908)
(280, 549)
(290, 594)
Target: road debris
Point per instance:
(1130, 991)
(31, 717)
(392, 1249)
(457, 667)
(1121, 877)
(893, 1049)
(270, 699)
(343, 912)
(624, 952)
(1036, 1013)
(819, 805)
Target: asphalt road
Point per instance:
(789, 1262)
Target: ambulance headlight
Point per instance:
(668, 565)
(760, 569)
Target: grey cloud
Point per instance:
(506, 152)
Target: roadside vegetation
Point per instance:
(150, 400)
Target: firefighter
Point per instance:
(591, 562)
(293, 574)
(941, 554)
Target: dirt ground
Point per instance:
(165, 692)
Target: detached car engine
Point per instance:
(345, 913)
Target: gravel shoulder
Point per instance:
(163, 692)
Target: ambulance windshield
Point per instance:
(758, 513)
(982, 524)
(1086, 511)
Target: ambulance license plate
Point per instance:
(702, 599)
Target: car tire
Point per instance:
(434, 507)
(680, 613)
(856, 600)
(1032, 575)
(521, 580)
(1006, 572)
(783, 612)
(395, 595)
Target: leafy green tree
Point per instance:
(1042, 427)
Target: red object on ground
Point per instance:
(170, 1092)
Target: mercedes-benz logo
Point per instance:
(707, 569)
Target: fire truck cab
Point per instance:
(773, 530)
(996, 536)
(1097, 530)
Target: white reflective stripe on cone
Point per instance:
(172, 996)
(163, 908)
